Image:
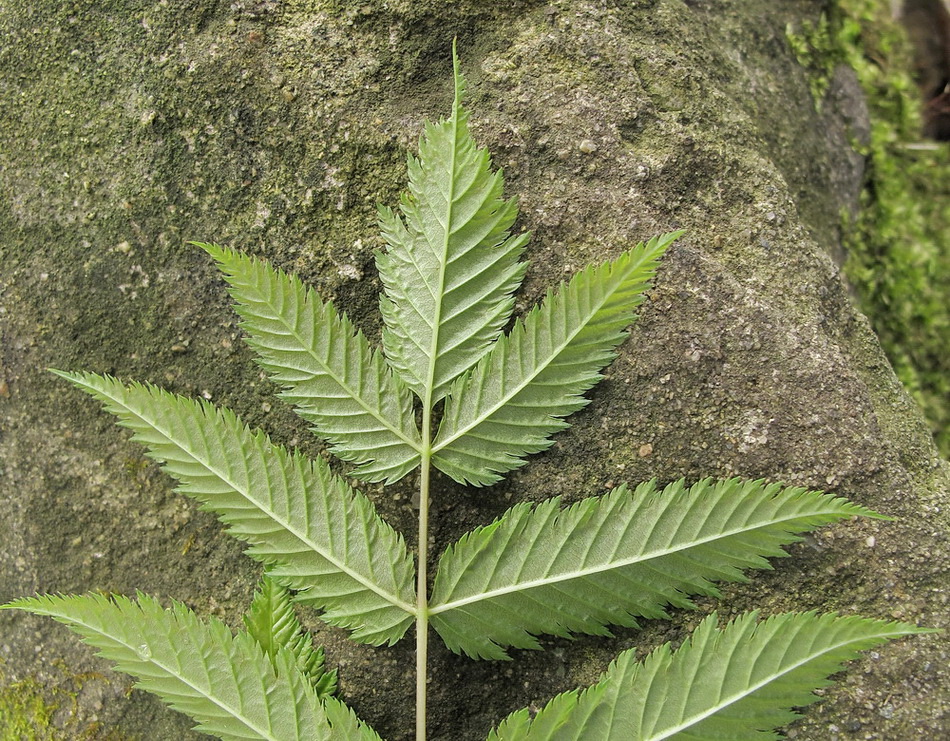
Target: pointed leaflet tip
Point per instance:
(272, 622)
(547, 362)
(544, 570)
(315, 533)
(217, 252)
(328, 371)
(736, 682)
(458, 78)
(451, 263)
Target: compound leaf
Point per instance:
(272, 622)
(224, 682)
(316, 534)
(737, 683)
(328, 371)
(515, 398)
(451, 263)
(606, 560)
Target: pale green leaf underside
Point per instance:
(226, 683)
(733, 684)
(516, 397)
(272, 622)
(451, 263)
(316, 534)
(327, 369)
(606, 560)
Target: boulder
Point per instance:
(128, 129)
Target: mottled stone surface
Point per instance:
(128, 128)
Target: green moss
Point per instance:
(899, 243)
(34, 710)
(817, 49)
(24, 712)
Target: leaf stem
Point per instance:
(425, 451)
(422, 586)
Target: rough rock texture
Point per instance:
(128, 128)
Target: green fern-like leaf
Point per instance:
(272, 622)
(315, 533)
(449, 272)
(224, 682)
(547, 570)
(329, 372)
(452, 265)
(517, 395)
(737, 683)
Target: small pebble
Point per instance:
(587, 146)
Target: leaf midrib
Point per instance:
(529, 378)
(738, 697)
(434, 355)
(346, 387)
(356, 576)
(582, 573)
(265, 733)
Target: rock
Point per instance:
(151, 126)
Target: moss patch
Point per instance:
(899, 243)
(35, 710)
(25, 712)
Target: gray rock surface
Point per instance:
(127, 129)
